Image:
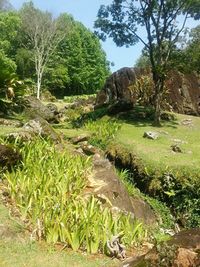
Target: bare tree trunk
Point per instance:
(159, 89)
(39, 81)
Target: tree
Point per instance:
(43, 34)
(159, 18)
(81, 65)
(9, 25)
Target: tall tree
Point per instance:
(163, 20)
(43, 34)
(9, 26)
(81, 65)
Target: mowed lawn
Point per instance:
(183, 132)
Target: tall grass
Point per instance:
(49, 191)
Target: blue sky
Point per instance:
(85, 11)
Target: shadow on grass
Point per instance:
(141, 116)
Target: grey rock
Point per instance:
(151, 135)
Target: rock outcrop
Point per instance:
(34, 108)
(181, 251)
(183, 90)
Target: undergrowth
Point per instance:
(103, 131)
(48, 189)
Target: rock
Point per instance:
(80, 138)
(8, 156)
(143, 211)
(23, 136)
(187, 122)
(176, 148)
(34, 128)
(106, 186)
(182, 250)
(34, 108)
(13, 123)
(53, 108)
(89, 149)
(183, 90)
(151, 135)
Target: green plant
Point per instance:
(48, 189)
(103, 131)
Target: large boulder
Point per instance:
(34, 128)
(183, 90)
(33, 107)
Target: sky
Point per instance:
(85, 11)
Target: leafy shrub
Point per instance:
(142, 89)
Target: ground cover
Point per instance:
(16, 249)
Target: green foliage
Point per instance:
(80, 53)
(162, 211)
(48, 189)
(142, 89)
(7, 68)
(103, 131)
(75, 98)
(9, 24)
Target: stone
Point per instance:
(106, 186)
(151, 135)
(34, 128)
(10, 122)
(182, 250)
(187, 122)
(183, 90)
(9, 156)
(143, 211)
(176, 148)
(53, 108)
(34, 108)
(80, 138)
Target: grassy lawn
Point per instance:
(17, 250)
(159, 152)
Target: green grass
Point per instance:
(17, 250)
(158, 152)
(7, 130)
